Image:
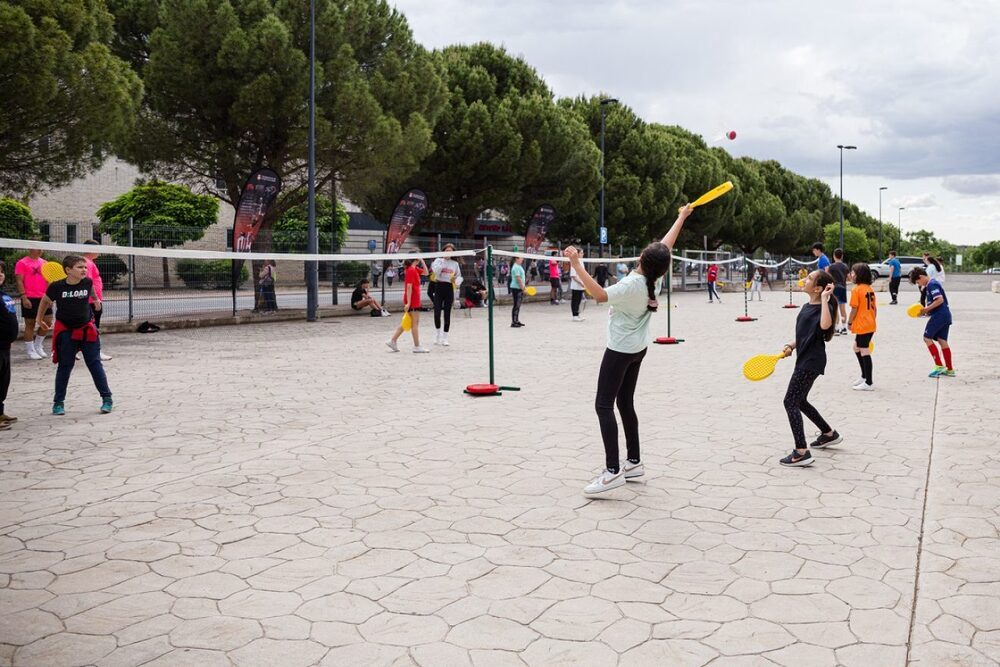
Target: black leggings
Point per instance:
(894, 287)
(444, 297)
(515, 312)
(4, 376)
(797, 404)
(616, 384)
(574, 303)
(712, 292)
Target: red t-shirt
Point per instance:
(412, 277)
(713, 273)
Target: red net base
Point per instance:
(667, 340)
(482, 389)
(745, 318)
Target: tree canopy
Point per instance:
(67, 100)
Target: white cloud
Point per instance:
(982, 184)
(925, 200)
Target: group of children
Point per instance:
(77, 299)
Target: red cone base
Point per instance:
(668, 340)
(744, 318)
(482, 389)
(790, 305)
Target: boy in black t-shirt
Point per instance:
(839, 271)
(75, 331)
(8, 334)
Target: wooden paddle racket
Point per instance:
(759, 367)
(712, 194)
(53, 271)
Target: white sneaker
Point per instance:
(437, 336)
(858, 381)
(40, 350)
(863, 387)
(577, 318)
(420, 350)
(106, 357)
(444, 339)
(385, 313)
(33, 354)
(633, 470)
(606, 481)
(392, 346)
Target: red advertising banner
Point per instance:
(259, 193)
(538, 228)
(407, 214)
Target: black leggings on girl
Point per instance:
(444, 297)
(797, 404)
(616, 384)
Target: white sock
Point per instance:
(38, 341)
(30, 346)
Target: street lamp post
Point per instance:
(842, 149)
(604, 106)
(899, 228)
(312, 244)
(880, 255)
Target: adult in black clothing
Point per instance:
(8, 334)
(601, 274)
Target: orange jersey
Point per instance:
(863, 302)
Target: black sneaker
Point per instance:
(796, 460)
(520, 324)
(824, 441)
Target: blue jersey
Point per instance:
(824, 262)
(941, 314)
(895, 266)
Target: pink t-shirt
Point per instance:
(554, 271)
(95, 275)
(30, 270)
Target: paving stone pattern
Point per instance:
(293, 494)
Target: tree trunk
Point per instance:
(470, 224)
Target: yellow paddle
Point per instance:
(531, 290)
(407, 322)
(712, 194)
(759, 367)
(914, 310)
(53, 271)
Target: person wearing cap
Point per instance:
(447, 275)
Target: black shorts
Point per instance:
(840, 292)
(863, 340)
(554, 282)
(32, 313)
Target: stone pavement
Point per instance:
(292, 494)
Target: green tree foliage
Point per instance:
(67, 100)
(500, 143)
(163, 214)
(857, 247)
(227, 90)
(290, 231)
(759, 215)
(921, 241)
(987, 255)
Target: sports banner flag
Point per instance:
(541, 219)
(405, 216)
(259, 194)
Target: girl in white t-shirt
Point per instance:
(634, 301)
(577, 290)
(447, 274)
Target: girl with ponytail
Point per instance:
(634, 301)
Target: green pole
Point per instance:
(489, 294)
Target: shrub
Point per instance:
(350, 272)
(112, 267)
(210, 274)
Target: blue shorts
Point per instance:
(840, 291)
(937, 330)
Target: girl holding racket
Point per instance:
(634, 301)
(814, 328)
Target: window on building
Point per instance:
(43, 229)
(70, 233)
(229, 239)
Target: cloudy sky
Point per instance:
(914, 84)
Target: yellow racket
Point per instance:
(53, 271)
(407, 322)
(759, 367)
(531, 290)
(871, 347)
(914, 310)
(712, 194)
(749, 284)
(802, 283)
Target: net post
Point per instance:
(489, 294)
(131, 267)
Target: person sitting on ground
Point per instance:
(361, 299)
(473, 294)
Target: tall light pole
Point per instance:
(842, 149)
(899, 228)
(604, 106)
(880, 255)
(312, 244)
